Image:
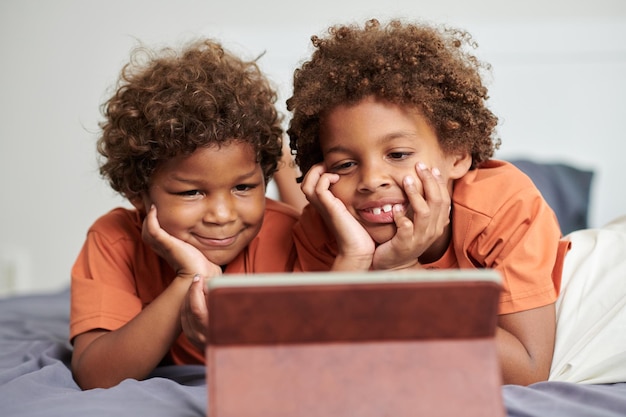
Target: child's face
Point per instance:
(372, 146)
(213, 199)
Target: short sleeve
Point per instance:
(103, 293)
(521, 241)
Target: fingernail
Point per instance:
(436, 172)
(421, 166)
(196, 278)
(408, 180)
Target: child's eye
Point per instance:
(399, 155)
(189, 193)
(342, 167)
(245, 187)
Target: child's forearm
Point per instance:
(135, 349)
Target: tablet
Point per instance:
(398, 343)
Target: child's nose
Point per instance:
(220, 210)
(373, 177)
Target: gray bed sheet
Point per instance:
(35, 379)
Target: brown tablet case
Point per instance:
(370, 344)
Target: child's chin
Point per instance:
(221, 258)
(382, 234)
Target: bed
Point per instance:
(35, 379)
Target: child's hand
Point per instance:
(189, 263)
(183, 257)
(355, 245)
(194, 314)
(431, 215)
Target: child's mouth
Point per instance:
(380, 214)
(384, 209)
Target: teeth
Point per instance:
(384, 209)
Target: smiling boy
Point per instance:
(395, 140)
(191, 139)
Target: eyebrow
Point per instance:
(241, 177)
(386, 138)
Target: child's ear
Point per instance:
(461, 164)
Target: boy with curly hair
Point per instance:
(394, 138)
(191, 139)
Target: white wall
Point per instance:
(558, 86)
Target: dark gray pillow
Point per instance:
(566, 189)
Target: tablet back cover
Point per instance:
(368, 344)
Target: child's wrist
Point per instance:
(352, 263)
(205, 271)
(410, 264)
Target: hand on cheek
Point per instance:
(429, 201)
(189, 263)
(355, 246)
(435, 214)
(316, 188)
(184, 258)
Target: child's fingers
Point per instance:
(151, 230)
(316, 186)
(435, 193)
(197, 300)
(322, 189)
(414, 191)
(404, 225)
(194, 314)
(435, 189)
(151, 222)
(311, 179)
(444, 203)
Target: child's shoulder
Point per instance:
(118, 223)
(494, 173)
(492, 185)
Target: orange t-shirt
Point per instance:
(499, 220)
(116, 274)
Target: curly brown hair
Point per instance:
(169, 103)
(423, 66)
